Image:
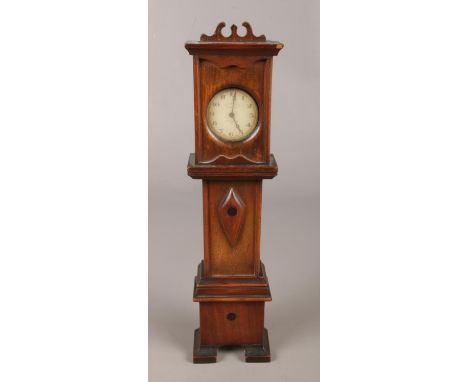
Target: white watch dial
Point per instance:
(232, 114)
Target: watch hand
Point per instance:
(237, 125)
(233, 101)
(232, 115)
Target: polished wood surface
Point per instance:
(253, 353)
(223, 258)
(218, 36)
(231, 286)
(247, 65)
(228, 289)
(224, 169)
(231, 323)
(216, 73)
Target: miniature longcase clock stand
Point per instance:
(232, 84)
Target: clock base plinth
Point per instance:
(232, 313)
(253, 353)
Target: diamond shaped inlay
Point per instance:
(231, 213)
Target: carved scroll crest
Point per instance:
(234, 37)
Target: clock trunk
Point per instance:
(232, 213)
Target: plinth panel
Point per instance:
(231, 323)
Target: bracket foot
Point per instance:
(259, 353)
(203, 354)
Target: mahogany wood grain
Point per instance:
(224, 289)
(231, 216)
(234, 36)
(231, 285)
(224, 169)
(215, 74)
(242, 63)
(231, 323)
(221, 257)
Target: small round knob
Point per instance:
(232, 211)
(231, 316)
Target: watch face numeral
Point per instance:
(232, 115)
